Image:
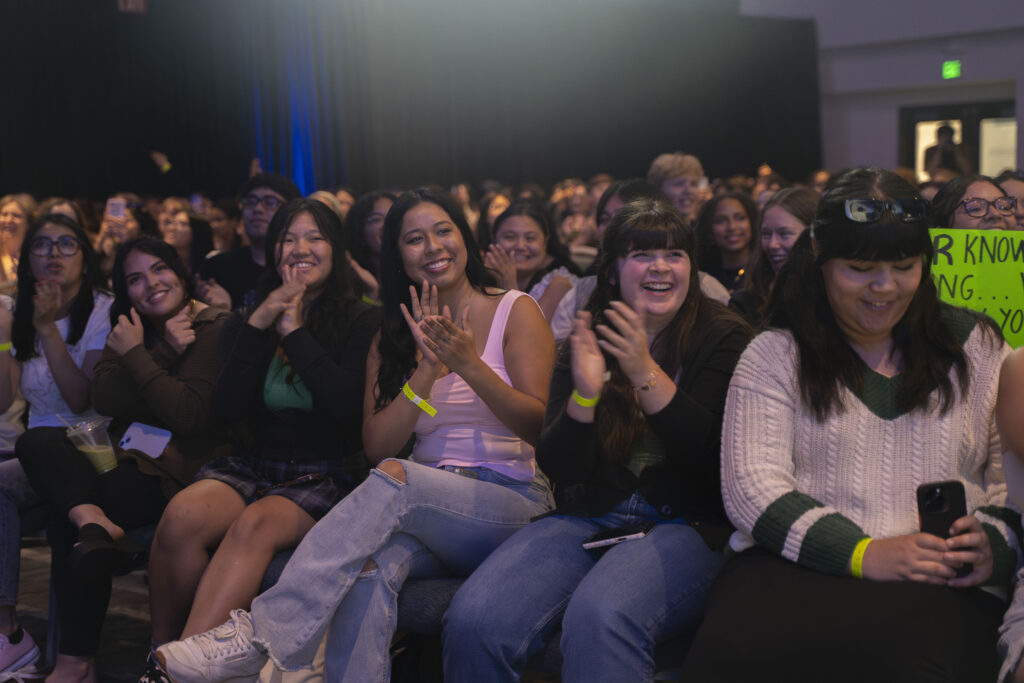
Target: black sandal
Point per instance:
(97, 556)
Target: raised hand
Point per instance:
(627, 342)
(453, 344)
(127, 333)
(423, 305)
(291, 316)
(588, 366)
(498, 260)
(46, 304)
(209, 292)
(178, 331)
(267, 313)
(364, 276)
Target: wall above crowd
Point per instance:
(398, 92)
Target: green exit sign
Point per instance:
(951, 69)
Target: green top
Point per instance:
(281, 394)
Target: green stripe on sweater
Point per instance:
(1007, 516)
(774, 524)
(829, 543)
(1004, 559)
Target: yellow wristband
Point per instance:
(166, 167)
(368, 300)
(585, 402)
(857, 561)
(6, 346)
(418, 401)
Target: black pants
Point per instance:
(769, 619)
(64, 478)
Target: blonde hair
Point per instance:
(673, 165)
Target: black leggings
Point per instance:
(769, 619)
(64, 478)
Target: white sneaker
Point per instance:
(221, 654)
(14, 656)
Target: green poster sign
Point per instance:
(983, 270)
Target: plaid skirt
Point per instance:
(314, 486)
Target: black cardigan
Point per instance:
(688, 484)
(333, 430)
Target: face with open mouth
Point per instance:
(154, 289)
(868, 298)
(655, 281)
(305, 251)
(431, 246)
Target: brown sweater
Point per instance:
(158, 387)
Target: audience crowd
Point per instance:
(723, 424)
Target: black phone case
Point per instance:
(938, 515)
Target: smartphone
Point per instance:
(116, 207)
(939, 504)
(614, 536)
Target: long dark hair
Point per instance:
(710, 255)
(799, 301)
(536, 212)
(639, 225)
(158, 248)
(23, 332)
(801, 202)
(327, 317)
(355, 227)
(397, 347)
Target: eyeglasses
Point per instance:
(269, 202)
(43, 246)
(872, 210)
(976, 207)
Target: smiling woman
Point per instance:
(293, 365)
(156, 370)
(864, 387)
(526, 256)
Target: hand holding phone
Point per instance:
(940, 505)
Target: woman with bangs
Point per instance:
(292, 371)
(864, 388)
(631, 439)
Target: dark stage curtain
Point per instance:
(395, 93)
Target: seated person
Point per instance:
(786, 215)
(727, 235)
(472, 392)
(157, 369)
(679, 176)
(973, 202)
(60, 323)
(230, 278)
(295, 366)
(640, 446)
(527, 256)
(864, 388)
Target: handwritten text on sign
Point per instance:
(983, 270)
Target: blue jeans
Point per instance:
(613, 606)
(436, 522)
(15, 494)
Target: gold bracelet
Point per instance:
(857, 561)
(652, 381)
(418, 401)
(585, 402)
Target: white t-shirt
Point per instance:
(37, 384)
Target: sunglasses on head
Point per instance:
(873, 210)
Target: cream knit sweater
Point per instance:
(810, 491)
